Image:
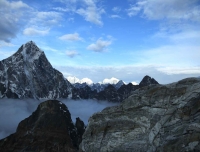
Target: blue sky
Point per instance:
(98, 39)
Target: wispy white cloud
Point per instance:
(45, 18)
(71, 19)
(68, 5)
(180, 70)
(171, 9)
(71, 37)
(71, 53)
(169, 55)
(116, 9)
(61, 9)
(16, 15)
(100, 45)
(35, 32)
(89, 9)
(115, 16)
(5, 44)
(12, 15)
(186, 36)
(91, 12)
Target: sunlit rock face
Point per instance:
(49, 129)
(154, 118)
(28, 74)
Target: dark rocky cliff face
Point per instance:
(147, 80)
(161, 118)
(28, 73)
(48, 129)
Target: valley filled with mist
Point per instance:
(12, 111)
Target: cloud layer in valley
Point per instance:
(12, 111)
(85, 108)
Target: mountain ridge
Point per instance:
(152, 118)
(29, 74)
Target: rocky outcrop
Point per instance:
(48, 129)
(147, 80)
(108, 94)
(28, 74)
(160, 118)
(125, 90)
(80, 127)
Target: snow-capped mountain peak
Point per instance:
(134, 83)
(87, 81)
(74, 80)
(29, 74)
(29, 52)
(111, 81)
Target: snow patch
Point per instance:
(134, 83)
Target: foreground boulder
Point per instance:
(154, 118)
(48, 129)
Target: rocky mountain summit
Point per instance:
(28, 74)
(147, 81)
(48, 129)
(161, 118)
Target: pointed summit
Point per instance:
(147, 80)
(28, 73)
(28, 52)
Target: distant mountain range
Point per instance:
(28, 74)
(74, 80)
(115, 92)
(100, 86)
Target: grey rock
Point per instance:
(28, 74)
(154, 118)
(48, 129)
(147, 80)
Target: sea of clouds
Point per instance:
(12, 111)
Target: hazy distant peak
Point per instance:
(134, 83)
(74, 80)
(111, 81)
(86, 80)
